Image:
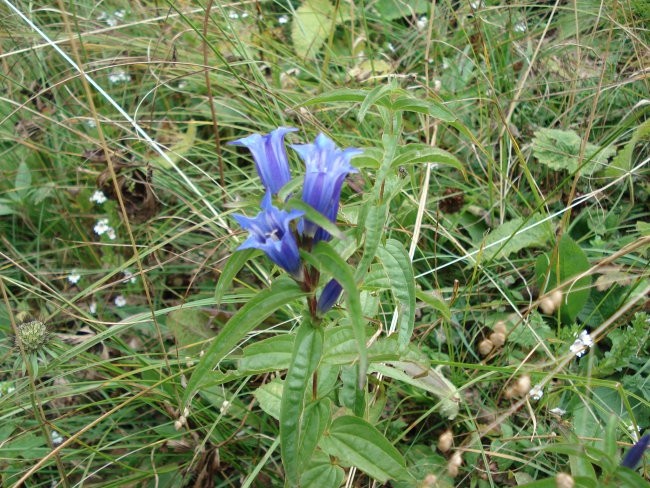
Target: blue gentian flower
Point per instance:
(329, 296)
(270, 157)
(326, 169)
(270, 232)
(634, 455)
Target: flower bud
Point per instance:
(445, 441)
(498, 339)
(485, 347)
(454, 463)
(547, 306)
(500, 327)
(564, 480)
(522, 386)
(33, 336)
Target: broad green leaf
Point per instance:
(377, 93)
(424, 378)
(374, 230)
(271, 354)
(563, 267)
(423, 153)
(321, 473)
(389, 142)
(560, 150)
(6, 210)
(315, 419)
(269, 396)
(399, 270)
(190, 327)
(349, 395)
(234, 264)
(511, 237)
(357, 443)
(307, 353)
(325, 257)
(312, 24)
(341, 95)
(283, 291)
(409, 103)
(316, 217)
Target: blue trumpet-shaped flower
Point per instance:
(329, 296)
(270, 232)
(634, 455)
(270, 157)
(326, 169)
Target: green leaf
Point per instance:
(396, 9)
(409, 103)
(632, 153)
(349, 395)
(374, 230)
(271, 354)
(324, 256)
(269, 396)
(423, 153)
(560, 150)
(235, 263)
(435, 301)
(6, 210)
(307, 353)
(316, 217)
(357, 443)
(399, 270)
(283, 290)
(510, 237)
(342, 95)
(377, 93)
(312, 24)
(564, 266)
(321, 473)
(190, 327)
(315, 419)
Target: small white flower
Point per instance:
(581, 344)
(182, 85)
(120, 301)
(74, 277)
(224, 407)
(92, 308)
(233, 15)
(558, 411)
(422, 22)
(391, 48)
(477, 5)
(128, 276)
(91, 123)
(120, 14)
(283, 19)
(244, 15)
(101, 227)
(520, 27)
(536, 392)
(119, 76)
(98, 197)
(56, 438)
(111, 234)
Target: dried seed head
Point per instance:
(500, 327)
(564, 480)
(429, 481)
(33, 336)
(522, 386)
(547, 306)
(454, 463)
(445, 441)
(498, 339)
(556, 298)
(485, 347)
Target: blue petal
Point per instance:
(634, 455)
(329, 296)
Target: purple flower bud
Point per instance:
(634, 455)
(326, 169)
(270, 157)
(329, 296)
(270, 232)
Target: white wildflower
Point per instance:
(92, 308)
(581, 344)
(91, 123)
(558, 411)
(233, 15)
(536, 392)
(477, 5)
(74, 277)
(244, 15)
(391, 48)
(119, 76)
(520, 27)
(283, 19)
(128, 276)
(98, 197)
(56, 438)
(224, 407)
(101, 227)
(120, 301)
(120, 14)
(422, 22)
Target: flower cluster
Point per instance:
(326, 167)
(581, 344)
